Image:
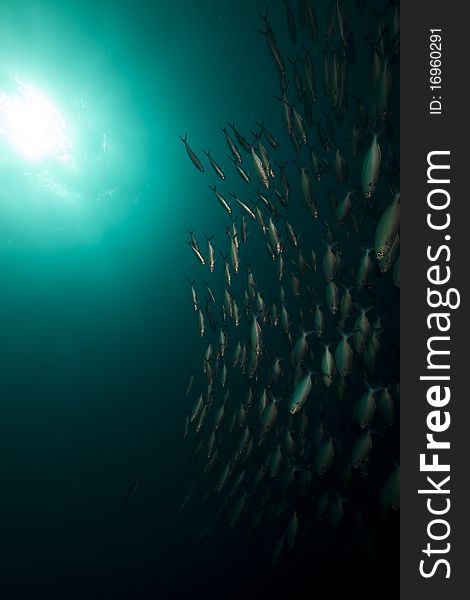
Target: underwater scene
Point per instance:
(200, 266)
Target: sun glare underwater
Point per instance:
(33, 125)
(65, 174)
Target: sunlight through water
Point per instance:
(33, 126)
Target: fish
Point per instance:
(386, 406)
(275, 371)
(311, 19)
(274, 51)
(344, 208)
(186, 428)
(328, 368)
(217, 169)
(190, 382)
(318, 321)
(209, 291)
(132, 492)
(300, 393)
(238, 509)
(344, 355)
(324, 457)
(240, 139)
(330, 265)
(332, 297)
(272, 141)
(222, 201)
(340, 168)
(371, 166)
(192, 155)
(346, 303)
(364, 409)
(364, 269)
(269, 416)
(194, 299)
(387, 228)
(361, 449)
(234, 256)
(211, 256)
(264, 156)
(244, 207)
(362, 328)
(259, 168)
(287, 114)
(202, 323)
(274, 237)
(386, 262)
(232, 146)
(197, 409)
(300, 348)
(291, 22)
(241, 171)
(197, 253)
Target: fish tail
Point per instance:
(346, 336)
(359, 98)
(284, 86)
(380, 128)
(264, 17)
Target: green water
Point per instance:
(94, 321)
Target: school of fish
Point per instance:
(293, 399)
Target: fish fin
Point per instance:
(264, 17)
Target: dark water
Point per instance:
(96, 327)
